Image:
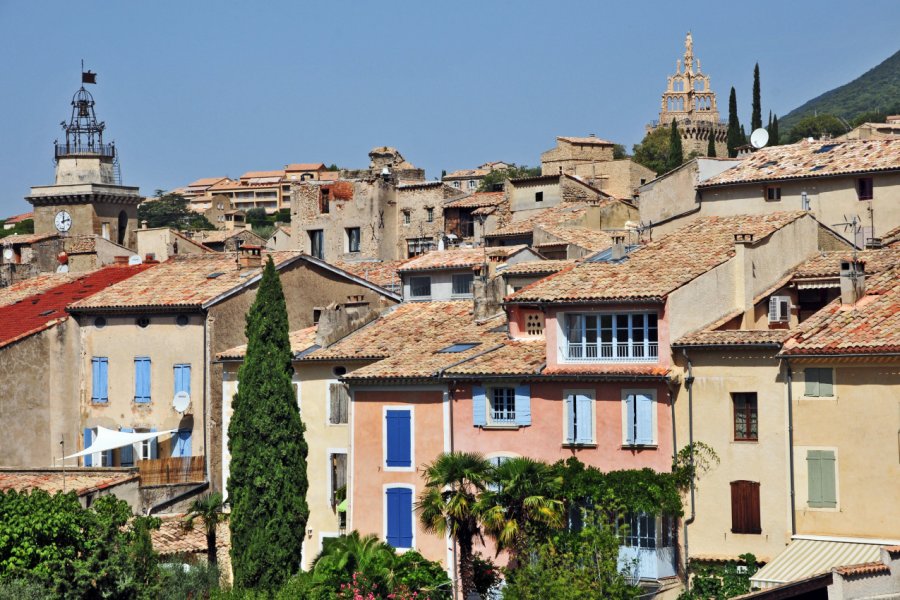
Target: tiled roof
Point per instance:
(27, 238)
(305, 167)
(872, 325)
(828, 264)
(466, 173)
(218, 236)
(658, 268)
(82, 481)
(735, 337)
(18, 218)
(33, 285)
(870, 568)
(183, 281)
(554, 216)
(538, 267)
(329, 175)
(173, 538)
(458, 258)
(892, 549)
(43, 310)
(585, 140)
(892, 237)
(805, 159)
(383, 273)
(607, 370)
(206, 181)
(301, 340)
(592, 240)
(407, 339)
(263, 174)
(514, 357)
(477, 200)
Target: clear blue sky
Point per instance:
(193, 89)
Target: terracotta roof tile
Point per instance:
(217, 236)
(262, 174)
(466, 173)
(538, 267)
(383, 273)
(82, 481)
(659, 267)
(18, 218)
(45, 309)
(892, 237)
(301, 339)
(205, 182)
(459, 258)
(305, 167)
(872, 568)
(34, 285)
(892, 549)
(872, 325)
(26, 238)
(735, 337)
(585, 140)
(555, 216)
(828, 264)
(804, 159)
(608, 370)
(514, 357)
(173, 538)
(477, 200)
(592, 240)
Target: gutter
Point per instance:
(689, 383)
(854, 355)
(186, 494)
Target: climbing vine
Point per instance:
(720, 581)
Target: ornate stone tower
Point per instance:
(87, 198)
(690, 101)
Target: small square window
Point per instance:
(773, 193)
(746, 419)
(457, 184)
(462, 284)
(472, 184)
(420, 287)
(539, 196)
(865, 188)
(819, 383)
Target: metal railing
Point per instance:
(64, 149)
(612, 352)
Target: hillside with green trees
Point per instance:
(877, 91)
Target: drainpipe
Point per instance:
(671, 395)
(689, 383)
(206, 357)
(789, 379)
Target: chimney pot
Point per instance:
(618, 247)
(743, 238)
(853, 281)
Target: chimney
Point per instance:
(743, 277)
(144, 224)
(120, 260)
(618, 247)
(853, 281)
(249, 256)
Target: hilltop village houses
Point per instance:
(598, 311)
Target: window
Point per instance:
(182, 320)
(865, 188)
(353, 239)
(819, 383)
(420, 287)
(398, 517)
(429, 215)
(779, 309)
(97, 459)
(631, 337)
(126, 453)
(99, 378)
(142, 379)
(148, 449)
(639, 414)
(417, 246)
(457, 184)
(183, 379)
(462, 284)
(406, 217)
(398, 439)
(181, 443)
(337, 462)
(745, 416)
(641, 532)
(317, 314)
(745, 507)
(317, 243)
(579, 423)
(773, 193)
(539, 196)
(503, 405)
(460, 347)
(338, 404)
(821, 479)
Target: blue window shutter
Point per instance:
(629, 419)
(398, 438)
(99, 371)
(570, 418)
(183, 378)
(523, 405)
(142, 380)
(399, 517)
(88, 437)
(104, 379)
(584, 416)
(154, 446)
(182, 443)
(644, 419)
(126, 453)
(479, 406)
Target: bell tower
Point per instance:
(88, 197)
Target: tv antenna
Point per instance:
(853, 225)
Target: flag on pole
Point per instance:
(88, 77)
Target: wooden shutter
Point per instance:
(99, 379)
(479, 406)
(338, 475)
(822, 489)
(88, 437)
(826, 382)
(630, 417)
(126, 453)
(523, 405)
(154, 446)
(644, 420)
(584, 430)
(183, 378)
(340, 404)
(745, 516)
(142, 380)
(399, 450)
(570, 418)
(399, 517)
(812, 381)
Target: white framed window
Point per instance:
(639, 418)
(779, 309)
(420, 287)
(579, 422)
(503, 405)
(407, 217)
(457, 184)
(610, 337)
(473, 184)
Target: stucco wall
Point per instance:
(522, 195)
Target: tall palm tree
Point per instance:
(209, 509)
(525, 492)
(448, 505)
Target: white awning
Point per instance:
(110, 439)
(806, 557)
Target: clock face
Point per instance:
(63, 221)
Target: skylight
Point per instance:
(214, 275)
(817, 168)
(826, 148)
(462, 347)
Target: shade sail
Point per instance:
(807, 557)
(110, 439)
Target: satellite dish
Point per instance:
(135, 260)
(759, 138)
(7, 253)
(62, 269)
(181, 401)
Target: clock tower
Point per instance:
(88, 197)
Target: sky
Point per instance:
(192, 89)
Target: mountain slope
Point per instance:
(877, 89)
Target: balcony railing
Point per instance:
(103, 150)
(612, 352)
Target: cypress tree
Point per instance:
(676, 154)
(267, 485)
(756, 117)
(711, 146)
(734, 127)
(773, 132)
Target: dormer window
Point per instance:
(779, 309)
(606, 337)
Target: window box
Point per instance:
(610, 338)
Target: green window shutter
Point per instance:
(812, 382)
(814, 478)
(827, 466)
(826, 382)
